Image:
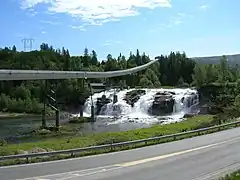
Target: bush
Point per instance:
(19, 105)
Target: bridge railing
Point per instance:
(121, 144)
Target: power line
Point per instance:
(27, 43)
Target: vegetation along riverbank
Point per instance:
(64, 142)
(60, 143)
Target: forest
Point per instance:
(175, 69)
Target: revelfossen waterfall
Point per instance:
(184, 101)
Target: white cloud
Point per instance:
(97, 12)
(43, 32)
(81, 28)
(204, 7)
(31, 12)
(176, 20)
(25, 4)
(110, 42)
(50, 22)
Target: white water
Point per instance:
(123, 112)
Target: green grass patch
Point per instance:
(233, 176)
(60, 143)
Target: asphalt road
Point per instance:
(199, 158)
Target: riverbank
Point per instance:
(60, 142)
(4, 115)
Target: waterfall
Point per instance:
(119, 108)
(185, 101)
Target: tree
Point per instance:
(86, 58)
(94, 58)
(20, 95)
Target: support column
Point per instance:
(92, 113)
(81, 110)
(81, 105)
(57, 119)
(44, 123)
(115, 98)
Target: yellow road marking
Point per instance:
(102, 169)
(133, 163)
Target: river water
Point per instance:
(125, 118)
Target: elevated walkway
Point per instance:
(8, 74)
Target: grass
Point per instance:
(61, 143)
(233, 176)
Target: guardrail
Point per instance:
(113, 145)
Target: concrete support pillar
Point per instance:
(92, 113)
(44, 123)
(81, 110)
(115, 98)
(57, 119)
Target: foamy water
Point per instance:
(124, 113)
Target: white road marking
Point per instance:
(131, 163)
(93, 156)
(92, 173)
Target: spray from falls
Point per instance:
(185, 101)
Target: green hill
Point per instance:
(232, 59)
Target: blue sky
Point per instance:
(198, 27)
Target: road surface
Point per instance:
(199, 158)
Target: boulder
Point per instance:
(133, 96)
(101, 102)
(163, 104)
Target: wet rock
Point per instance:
(169, 92)
(189, 102)
(43, 131)
(163, 104)
(101, 102)
(133, 96)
